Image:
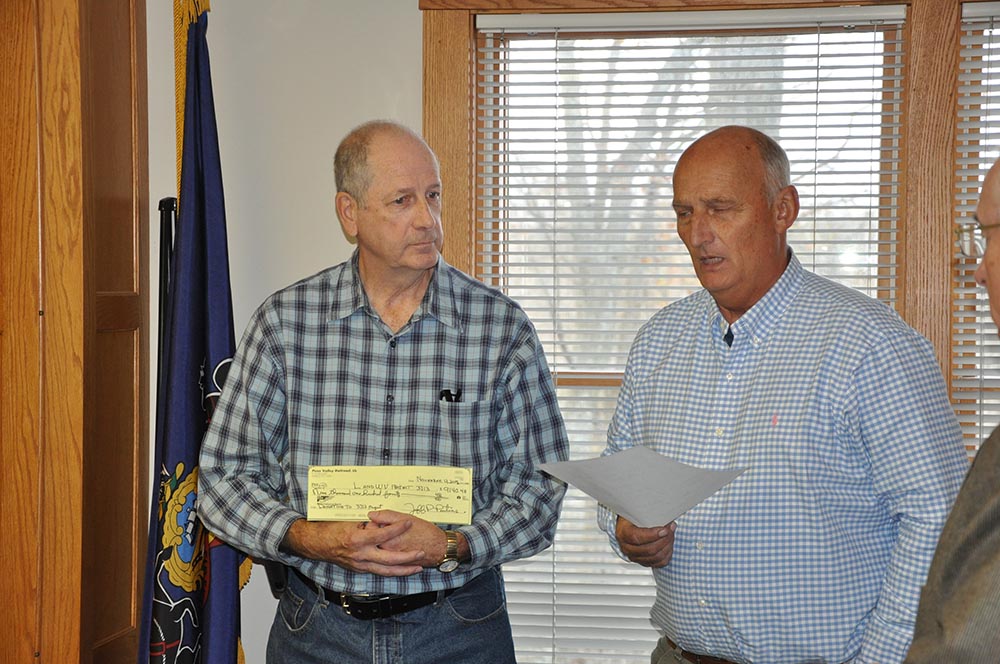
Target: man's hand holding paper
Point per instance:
(649, 547)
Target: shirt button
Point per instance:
(392, 343)
(386, 453)
(719, 431)
(702, 602)
(700, 545)
(390, 399)
(729, 376)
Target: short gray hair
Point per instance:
(777, 172)
(350, 163)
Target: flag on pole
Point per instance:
(191, 600)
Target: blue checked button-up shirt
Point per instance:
(838, 410)
(318, 379)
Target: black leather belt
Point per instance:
(371, 607)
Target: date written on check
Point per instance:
(439, 494)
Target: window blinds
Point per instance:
(578, 131)
(975, 347)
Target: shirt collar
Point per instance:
(761, 319)
(440, 302)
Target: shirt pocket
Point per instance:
(466, 430)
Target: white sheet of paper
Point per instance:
(641, 485)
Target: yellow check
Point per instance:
(439, 494)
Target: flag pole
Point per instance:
(168, 206)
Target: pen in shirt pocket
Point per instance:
(451, 397)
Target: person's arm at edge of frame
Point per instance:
(958, 620)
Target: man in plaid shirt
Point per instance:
(391, 358)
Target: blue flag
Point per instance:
(191, 602)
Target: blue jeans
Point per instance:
(470, 626)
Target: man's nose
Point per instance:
(980, 274)
(427, 216)
(701, 231)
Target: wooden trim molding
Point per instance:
(448, 111)
(61, 218)
(20, 333)
(582, 6)
(933, 56)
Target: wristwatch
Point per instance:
(450, 561)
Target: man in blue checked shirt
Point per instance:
(392, 358)
(958, 621)
(834, 405)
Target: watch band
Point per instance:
(450, 561)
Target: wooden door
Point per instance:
(73, 328)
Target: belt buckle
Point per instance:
(346, 601)
(379, 604)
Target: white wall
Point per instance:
(290, 79)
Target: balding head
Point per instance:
(350, 164)
(777, 173)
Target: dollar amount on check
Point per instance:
(439, 494)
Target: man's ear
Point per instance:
(786, 206)
(347, 213)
